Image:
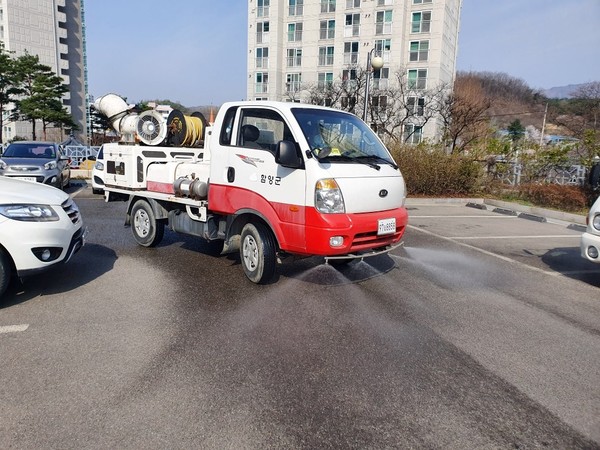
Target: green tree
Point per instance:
(8, 84)
(516, 130)
(42, 91)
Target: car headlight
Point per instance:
(328, 197)
(596, 222)
(50, 165)
(29, 213)
(3, 165)
(99, 165)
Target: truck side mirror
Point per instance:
(287, 155)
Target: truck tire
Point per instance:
(5, 272)
(257, 253)
(147, 231)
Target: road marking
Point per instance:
(413, 216)
(485, 252)
(548, 236)
(13, 328)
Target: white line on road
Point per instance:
(548, 236)
(13, 328)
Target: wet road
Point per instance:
(455, 341)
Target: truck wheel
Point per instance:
(257, 253)
(147, 231)
(5, 272)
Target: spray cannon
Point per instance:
(150, 127)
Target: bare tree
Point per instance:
(465, 113)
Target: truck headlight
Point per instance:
(99, 165)
(328, 197)
(50, 165)
(29, 213)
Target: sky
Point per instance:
(194, 51)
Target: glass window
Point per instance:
(263, 8)
(325, 80)
(268, 128)
(417, 79)
(352, 27)
(383, 22)
(350, 52)
(294, 57)
(327, 29)
(262, 58)
(293, 81)
(419, 51)
(327, 6)
(421, 22)
(352, 4)
(326, 56)
(296, 7)
(295, 32)
(413, 134)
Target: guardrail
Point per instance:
(80, 153)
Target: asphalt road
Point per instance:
(482, 332)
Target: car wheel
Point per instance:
(147, 231)
(257, 253)
(5, 272)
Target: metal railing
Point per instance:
(80, 153)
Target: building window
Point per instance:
(419, 2)
(415, 105)
(262, 83)
(379, 103)
(421, 22)
(325, 80)
(326, 56)
(262, 58)
(352, 27)
(262, 32)
(383, 48)
(327, 29)
(294, 57)
(352, 4)
(295, 32)
(293, 81)
(296, 7)
(381, 78)
(350, 52)
(385, 2)
(412, 134)
(383, 22)
(419, 51)
(417, 79)
(263, 8)
(327, 6)
(348, 103)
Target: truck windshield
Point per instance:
(337, 136)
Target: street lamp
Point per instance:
(373, 63)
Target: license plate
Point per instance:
(386, 226)
(34, 179)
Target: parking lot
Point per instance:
(542, 239)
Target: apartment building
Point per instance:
(53, 30)
(295, 45)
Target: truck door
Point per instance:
(254, 181)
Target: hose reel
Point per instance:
(185, 131)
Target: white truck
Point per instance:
(268, 179)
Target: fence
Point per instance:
(80, 153)
(574, 175)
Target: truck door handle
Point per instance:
(230, 174)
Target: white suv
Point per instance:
(590, 240)
(39, 226)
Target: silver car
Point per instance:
(42, 162)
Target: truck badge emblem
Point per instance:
(383, 193)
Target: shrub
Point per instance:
(561, 197)
(430, 171)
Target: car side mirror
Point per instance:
(288, 155)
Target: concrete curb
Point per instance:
(526, 212)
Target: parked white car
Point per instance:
(98, 173)
(40, 226)
(590, 240)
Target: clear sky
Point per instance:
(194, 51)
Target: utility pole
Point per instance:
(543, 125)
